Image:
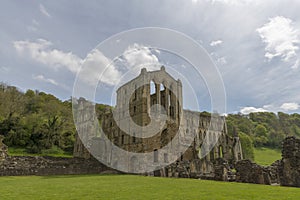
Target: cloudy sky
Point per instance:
(254, 44)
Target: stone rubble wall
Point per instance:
(38, 165)
(249, 172)
(285, 172)
(289, 170)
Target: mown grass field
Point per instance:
(134, 187)
(266, 156)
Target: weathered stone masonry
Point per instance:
(136, 101)
(289, 168)
(285, 172)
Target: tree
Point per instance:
(247, 146)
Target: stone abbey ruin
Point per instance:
(154, 96)
(137, 106)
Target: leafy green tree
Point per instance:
(247, 146)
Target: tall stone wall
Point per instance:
(289, 170)
(143, 100)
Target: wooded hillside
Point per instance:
(37, 121)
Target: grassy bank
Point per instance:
(266, 156)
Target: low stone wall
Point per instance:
(273, 172)
(223, 171)
(195, 168)
(249, 172)
(38, 165)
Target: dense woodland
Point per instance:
(40, 122)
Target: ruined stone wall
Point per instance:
(285, 172)
(289, 170)
(136, 104)
(3, 150)
(249, 172)
(30, 165)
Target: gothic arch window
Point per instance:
(155, 155)
(152, 87)
(161, 87)
(200, 151)
(220, 151)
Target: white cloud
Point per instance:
(97, 67)
(280, 37)
(43, 79)
(139, 55)
(247, 110)
(215, 43)
(94, 63)
(271, 108)
(289, 106)
(40, 51)
(94, 66)
(44, 11)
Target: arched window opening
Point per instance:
(200, 151)
(152, 88)
(220, 152)
(155, 159)
(162, 87)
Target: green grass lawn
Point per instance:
(12, 151)
(134, 187)
(266, 156)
